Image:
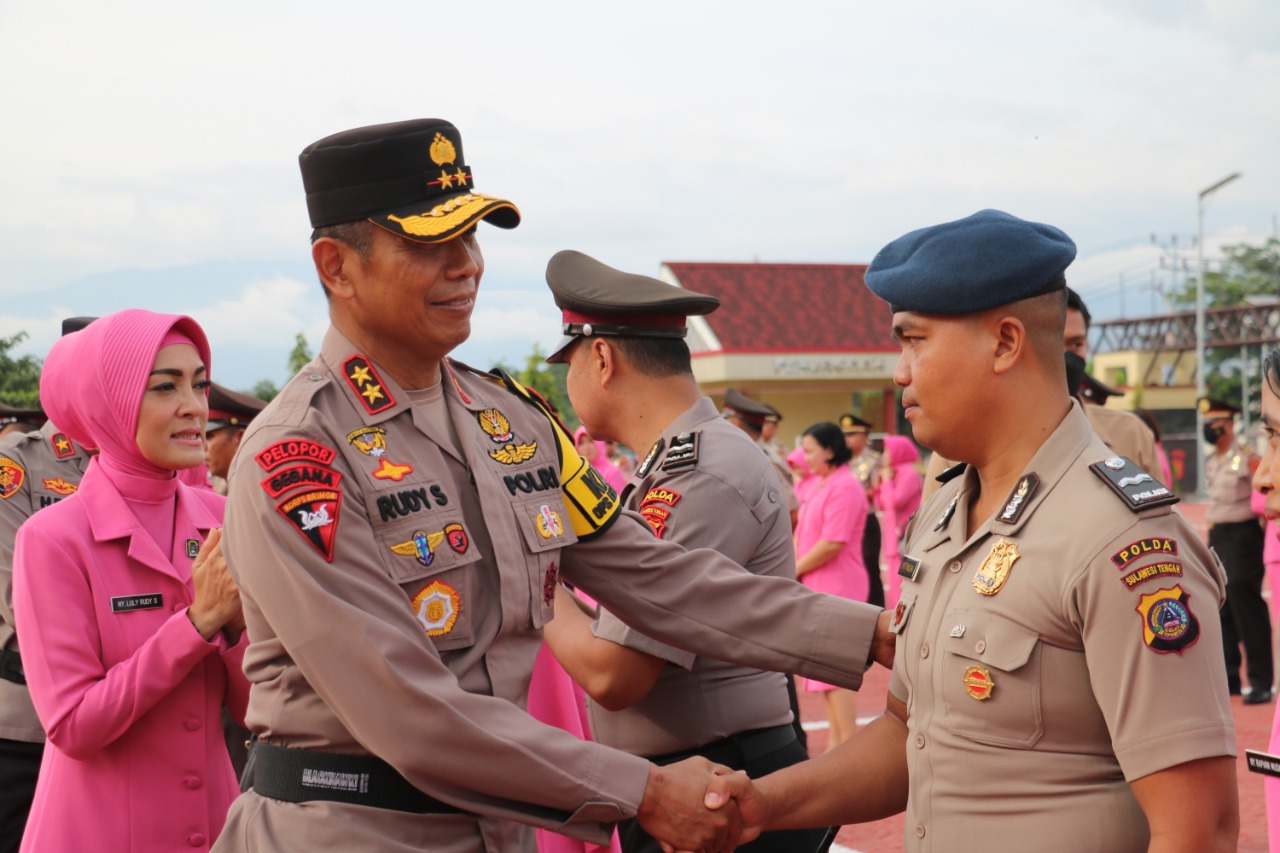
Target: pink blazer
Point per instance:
(129, 692)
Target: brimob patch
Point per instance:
(422, 546)
(60, 486)
(1155, 570)
(1168, 625)
(457, 537)
(294, 449)
(436, 607)
(12, 476)
(315, 515)
(298, 477)
(62, 446)
(368, 385)
(1156, 545)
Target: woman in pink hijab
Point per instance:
(802, 479)
(596, 453)
(130, 626)
(897, 497)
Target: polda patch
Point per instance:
(1156, 546)
(368, 385)
(315, 515)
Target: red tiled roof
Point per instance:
(770, 308)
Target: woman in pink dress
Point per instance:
(829, 548)
(897, 497)
(131, 632)
(597, 454)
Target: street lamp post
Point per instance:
(1200, 365)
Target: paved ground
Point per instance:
(1253, 730)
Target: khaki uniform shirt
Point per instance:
(1230, 485)
(396, 563)
(1097, 660)
(36, 469)
(781, 472)
(705, 486)
(1126, 435)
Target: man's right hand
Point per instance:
(884, 642)
(674, 810)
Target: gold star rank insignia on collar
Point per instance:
(995, 569)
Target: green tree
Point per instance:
(19, 377)
(300, 355)
(1246, 272)
(265, 390)
(549, 381)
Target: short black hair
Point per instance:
(656, 357)
(1271, 371)
(1075, 303)
(830, 437)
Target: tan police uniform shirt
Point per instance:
(1126, 435)
(1097, 660)
(781, 472)
(36, 469)
(705, 486)
(394, 584)
(1230, 485)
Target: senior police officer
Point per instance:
(397, 525)
(1236, 535)
(37, 469)
(1059, 653)
(703, 484)
(20, 419)
(751, 416)
(229, 415)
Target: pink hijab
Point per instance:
(92, 385)
(804, 485)
(612, 473)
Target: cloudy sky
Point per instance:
(148, 150)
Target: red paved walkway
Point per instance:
(1253, 730)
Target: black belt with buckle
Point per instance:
(737, 750)
(11, 666)
(304, 775)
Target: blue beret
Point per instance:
(970, 265)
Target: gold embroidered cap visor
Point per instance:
(408, 177)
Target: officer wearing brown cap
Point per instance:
(397, 523)
(702, 483)
(229, 415)
(865, 467)
(1059, 652)
(751, 416)
(20, 419)
(1235, 535)
(37, 469)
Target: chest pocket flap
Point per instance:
(991, 679)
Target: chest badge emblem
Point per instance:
(978, 683)
(995, 569)
(436, 607)
(422, 546)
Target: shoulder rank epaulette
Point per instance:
(1138, 489)
(951, 473)
(683, 452)
(368, 386)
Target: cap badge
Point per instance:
(442, 151)
(436, 607)
(995, 569)
(978, 683)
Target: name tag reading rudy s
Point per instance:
(126, 603)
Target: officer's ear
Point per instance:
(603, 360)
(334, 262)
(1011, 344)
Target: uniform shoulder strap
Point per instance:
(1137, 489)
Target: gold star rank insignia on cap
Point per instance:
(368, 385)
(995, 569)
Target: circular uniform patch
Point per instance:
(1168, 624)
(437, 606)
(1168, 620)
(978, 683)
